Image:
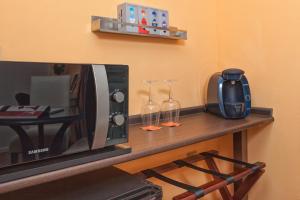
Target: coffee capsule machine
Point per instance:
(228, 94)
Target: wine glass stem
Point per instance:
(170, 92)
(150, 94)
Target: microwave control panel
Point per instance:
(118, 89)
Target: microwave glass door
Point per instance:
(46, 110)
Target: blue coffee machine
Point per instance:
(229, 95)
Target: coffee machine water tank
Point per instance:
(228, 94)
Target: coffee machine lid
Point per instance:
(232, 74)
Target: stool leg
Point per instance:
(224, 190)
(247, 185)
(240, 153)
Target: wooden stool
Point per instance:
(247, 175)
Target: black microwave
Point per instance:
(52, 110)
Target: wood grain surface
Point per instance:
(194, 129)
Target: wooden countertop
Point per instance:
(195, 128)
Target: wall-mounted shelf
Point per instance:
(112, 25)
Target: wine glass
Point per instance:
(170, 108)
(150, 111)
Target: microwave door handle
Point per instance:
(102, 99)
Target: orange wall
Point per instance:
(59, 31)
(263, 37)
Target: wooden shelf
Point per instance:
(111, 25)
(195, 128)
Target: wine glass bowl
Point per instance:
(170, 111)
(150, 115)
(170, 108)
(150, 112)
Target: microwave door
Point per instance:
(102, 101)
